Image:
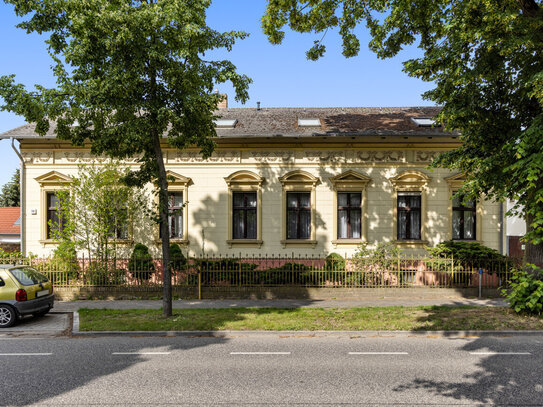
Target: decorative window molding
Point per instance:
(411, 181)
(49, 183)
(350, 181)
(456, 182)
(244, 181)
(299, 181)
(177, 183)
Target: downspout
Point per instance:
(21, 196)
(502, 228)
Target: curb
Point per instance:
(300, 334)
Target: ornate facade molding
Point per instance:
(196, 157)
(273, 156)
(393, 156)
(425, 156)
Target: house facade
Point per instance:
(283, 181)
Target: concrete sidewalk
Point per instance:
(67, 306)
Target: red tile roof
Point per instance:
(8, 217)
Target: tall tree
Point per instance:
(10, 194)
(485, 58)
(131, 75)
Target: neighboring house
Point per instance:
(10, 229)
(290, 181)
(516, 229)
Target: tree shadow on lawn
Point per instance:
(492, 378)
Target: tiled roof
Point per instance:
(335, 121)
(8, 220)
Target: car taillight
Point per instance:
(21, 295)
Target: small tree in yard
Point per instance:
(96, 210)
(131, 77)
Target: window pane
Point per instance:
(238, 199)
(176, 226)
(251, 200)
(456, 222)
(402, 202)
(305, 225)
(356, 199)
(292, 225)
(414, 202)
(239, 226)
(305, 199)
(402, 225)
(342, 199)
(415, 224)
(457, 202)
(251, 224)
(178, 199)
(356, 223)
(469, 225)
(292, 200)
(342, 225)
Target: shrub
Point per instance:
(526, 290)
(383, 257)
(141, 264)
(177, 258)
(468, 252)
(334, 262)
(97, 275)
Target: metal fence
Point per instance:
(274, 271)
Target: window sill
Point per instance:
(299, 243)
(411, 243)
(347, 242)
(244, 243)
(182, 242)
(122, 242)
(48, 241)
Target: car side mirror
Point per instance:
(2, 282)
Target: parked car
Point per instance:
(23, 291)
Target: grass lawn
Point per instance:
(310, 319)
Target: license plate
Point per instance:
(42, 293)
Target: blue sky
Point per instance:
(282, 76)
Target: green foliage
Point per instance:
(10, 193)
(97, 210)
(384, 256)
(226, 264)
(334, 262)
(141, 264)
(129, 75)
(526, 290)
(467, 253)
(484, 58)
(177, 258)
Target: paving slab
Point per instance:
(71, 306)
(52, 324)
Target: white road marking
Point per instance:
(141, 353)
(500, 353)
(378, 353)
(260, 353)
(25, 354)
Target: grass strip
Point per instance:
(431, 318)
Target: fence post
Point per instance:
(399, 266)
(199, 285)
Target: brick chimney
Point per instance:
(223, 104)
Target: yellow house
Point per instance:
(307, 181)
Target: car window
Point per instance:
(28, 276)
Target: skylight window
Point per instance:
(309, 123)
(424, 121)
(225, 123)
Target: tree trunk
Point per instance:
(163, 213)
(533, 253)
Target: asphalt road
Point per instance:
(271, 371)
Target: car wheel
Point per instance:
(8, 317)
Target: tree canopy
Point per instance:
(484, 57)
(10, 193)
(130, 76)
